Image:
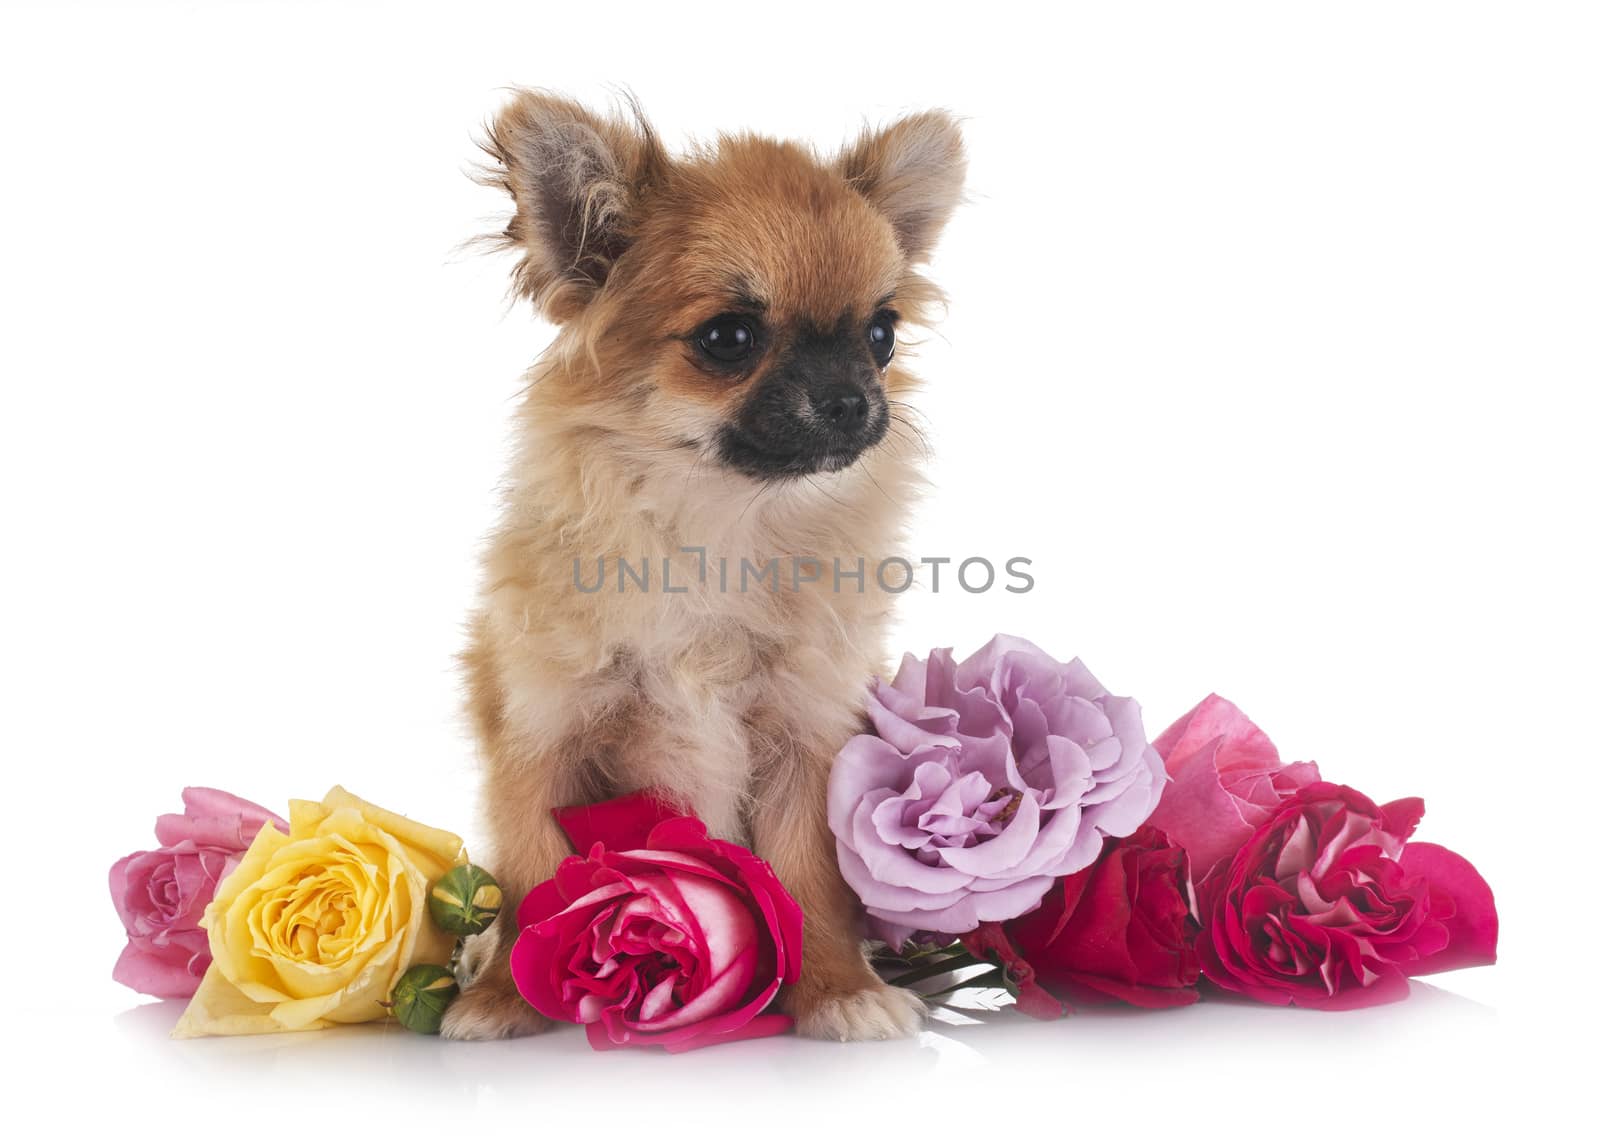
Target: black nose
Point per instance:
(843, 408)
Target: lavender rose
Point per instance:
(983, 782)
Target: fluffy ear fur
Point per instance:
(577, 178)
(912, 171)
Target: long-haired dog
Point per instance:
(722, 395)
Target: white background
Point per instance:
(1272, 341)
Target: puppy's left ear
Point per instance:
(912, 171)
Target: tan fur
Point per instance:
(734, 702)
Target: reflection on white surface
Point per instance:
(1103, 1064)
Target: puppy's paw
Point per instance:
(485, 1012)
(477, 956)
(875, 1011)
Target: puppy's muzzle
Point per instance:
(817, 410)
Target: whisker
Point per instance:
(896, 429)
(908, 417)
(813, 482)
(886, 496)
(699, 458)
(760, 491)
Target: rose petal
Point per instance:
(169, 973)
(1473, 923)
(1216, 720)
(619, 824)
(217, 819)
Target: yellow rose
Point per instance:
(315, 927)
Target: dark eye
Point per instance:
(880, 338)
(727, 339)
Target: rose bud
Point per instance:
(422, 995)
(465, 900)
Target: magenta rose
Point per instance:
(658, 935)
(982, 783)
(160, 895)
(1226, 781)
(1326, 905)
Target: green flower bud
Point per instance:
(465, 900)
(422, 995)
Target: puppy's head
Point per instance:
(740, 302)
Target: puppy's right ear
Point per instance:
(577, 179)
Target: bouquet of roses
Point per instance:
(1006, 815)
(344, 913)
(1008, 803)
(656, 934)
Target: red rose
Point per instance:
(660, 935)
(1120, 930)
(1327, 906)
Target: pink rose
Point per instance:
(1327, 906)
(1226, 780)
(660, 935)
(161, 895)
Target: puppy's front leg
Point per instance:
(527, 848)
(838, 995)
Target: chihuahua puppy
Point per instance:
(723, 392)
